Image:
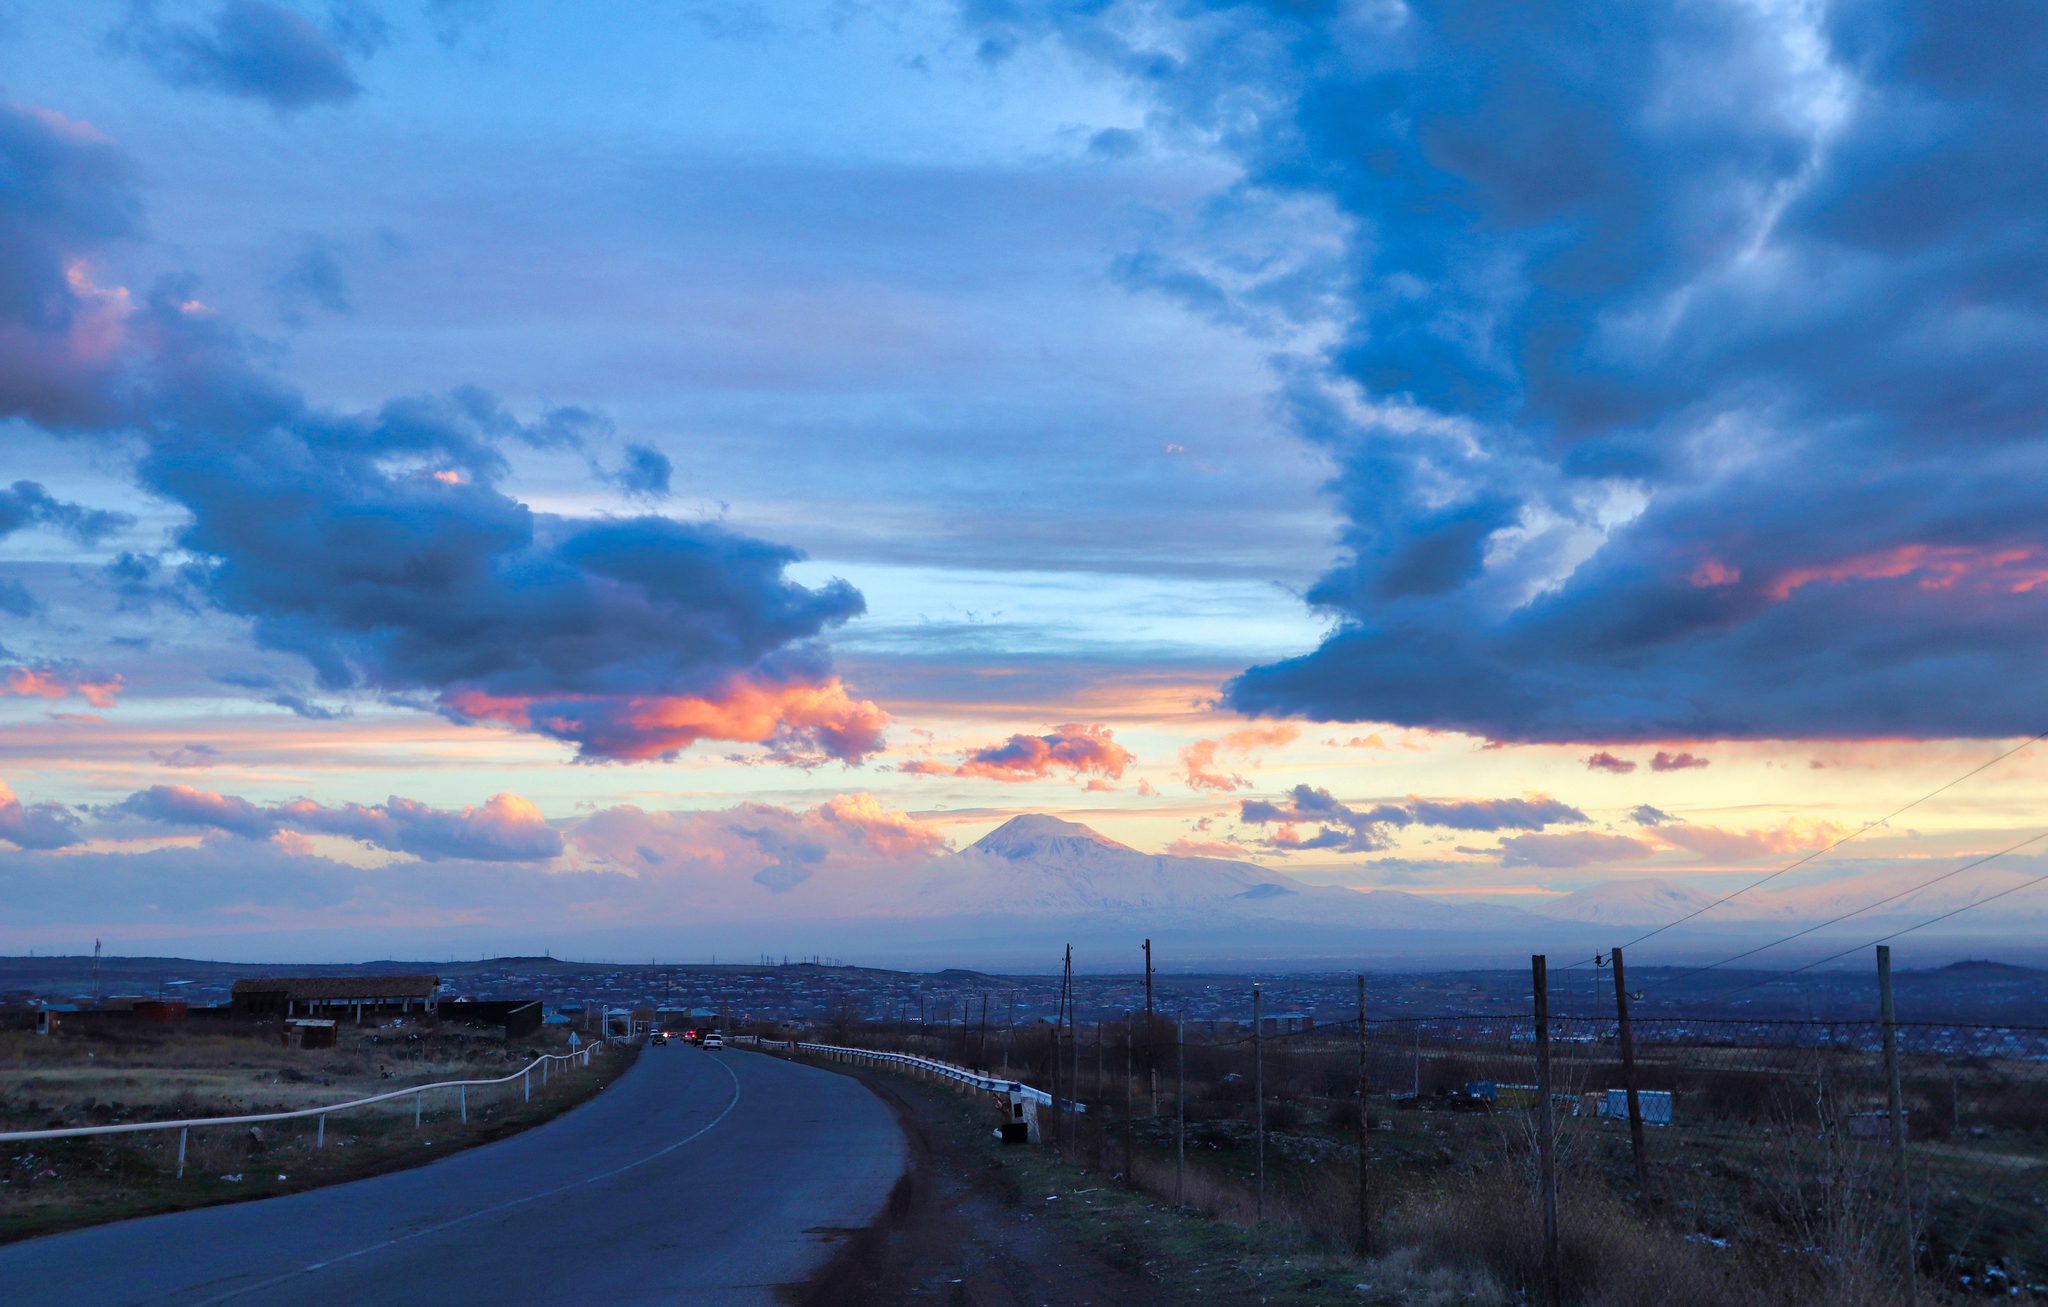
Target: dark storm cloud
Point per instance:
(1687, 382)
(375, 545)
(1352, 830)
(254, 50)
(644, 473)
(26, 503)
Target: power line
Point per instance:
(1836, 845)
(2031, 839)
(2028, 884)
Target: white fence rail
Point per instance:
(973, 1079)
(416, 1092)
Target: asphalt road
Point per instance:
(699, 1178)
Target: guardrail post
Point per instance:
(526, 1082)
(415, 1109)
(543, 1072)
(181, 1152)
(320, 1139)
(462, 1099)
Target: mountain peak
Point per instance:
(1034, 833)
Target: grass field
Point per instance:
(176, 1072)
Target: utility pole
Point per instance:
(1628, 1079)
(1895, 1100)
(1259, 1098)
(1364, 1211)
(1151, 1058)
(1546, 1132)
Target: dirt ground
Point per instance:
(977, 1224)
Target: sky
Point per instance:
(477, 473)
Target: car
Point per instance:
(658, 1037)
(714, 1041)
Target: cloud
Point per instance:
(507, 828)
(1684, 369)
(26, 503)
(1607, 762)
(52, 681)
(1198, 760)
(1577, 848)
(1675, 761)
(1076, 749)
(375, 545)
(1353, 831)
(1645, 815)
(188, 755)
(1743, 846)
(644, 473)
(253, 50)
(1187, 848)
(43, 826)
(776, 848)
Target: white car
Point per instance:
(714, 1041)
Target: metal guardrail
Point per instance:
(416, 1091)
(991, 1084)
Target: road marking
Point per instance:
(471, 1216)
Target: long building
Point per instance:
(335, 996)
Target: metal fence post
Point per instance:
(462, 1101)
(1628, 1079)
(181, 1152)
(320, 1139)
(415, 1109)
(1895, 1100)
(1546, 1132)
(1259, 1099)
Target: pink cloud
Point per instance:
(1940, 567)
(1073, 748)
(506, 828)
(1676, 761)
(1607, 762)
(1198, 760)
(771, 847)
(1743, 846)
(46, 825)
(97, 689)
(803, 724)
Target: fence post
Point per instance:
(1895, 1100)
(1364, 1210)
(1628, 1080)
(320, 1139)
(181, 1152)
(1546, 1134)
(1130, 1106)
(1259, 1098)
(543, 1072)
(1180, 1103)
(462, 1101)
(415, 1109)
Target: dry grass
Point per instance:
(172, 1073)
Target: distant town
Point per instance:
(816, 993)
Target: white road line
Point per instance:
(486, 1211)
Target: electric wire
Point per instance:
(1868, 826)
(1890, 898)
(1881, 939)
